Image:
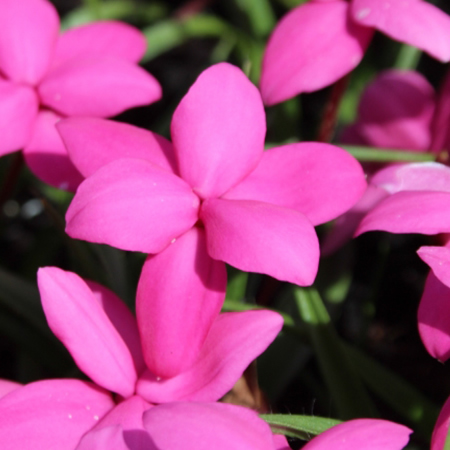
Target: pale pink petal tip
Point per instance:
(362, 434)
(215, 425)
(291, 65)
(414, 22)
(440, 432)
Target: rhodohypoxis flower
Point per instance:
(86, 71)
(212, 196)
(322, 40)
(102, 336)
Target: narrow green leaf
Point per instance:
(343, 381)
(260, 14)
(400, 395)
(162, 37)
(408, 57)
(386, 155)
(237, 285)
(297, 426)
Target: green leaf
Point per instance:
(386, 155)
(343, 381)
(300, 427)
(162, 37)
(237, 285)
(408, 57)
(400, 395)
(260, 14)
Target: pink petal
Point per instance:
(434, 326)
(429, 176)
(396, 111)
(319, 180)
(438, 258)
(18, 110)
(78, 320)
(129, 416)
(439, 127)
(414, 22)
(7, 386)
(180, 293)
(109, 437)
(234, 341)
(93, 143)
(100, 87)
(29, 30)
(133, 205)
(410, 212)
(263, 238)
(280, 442)
(440, 431)
(104, 38)
(312, 47)
(123, 321)
(47, 157)
(201, 426)
(51, 414)
(362, 434)
(218, 130)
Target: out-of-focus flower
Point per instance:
(102, 337)
(86, 71)
(322, 40)
(440, 432)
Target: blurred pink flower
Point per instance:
(86, 71)
(102, 337)
(320, 41)
(440, 432)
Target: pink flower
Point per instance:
(322, 40)
(362, 434)
(101, 335)
(86, 71)
(440, 432)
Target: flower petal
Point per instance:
(312, 47)
(180, 293)
(51, 414)
(259, 237)
(103, 38)
(99, 87)
(29, 32)
(438, 258)
(440, 431)
(7, 386)
(319, 180)
(413, 22)
(76, 318)
(396, 111)
(362, 434)
(47, 157)
(439, 127)
(133, 205)
(108, 437)
(234, 341)
(434, 326)
(428, 176)
(422, 212)
(201, 426)
(93, 143)
(18, 110)
(218, 130)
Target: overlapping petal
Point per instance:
(7, 386)
(440, 431)
(102, 38)
(180, 294)
(259, 237)
(108, 437)
(234, 341)
(29, 33)
(134, 205)
(99, 87)
(18, 110)
(202, 426)
(319, 180)
(218, 130)
(396, 111)
(415, 22)
(362, 434)
(46, 155)
(78, 320)
(312, 46)
(422, 212)
(51, 414)
(93, 143)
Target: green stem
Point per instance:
(408, 58)
(375, 154)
